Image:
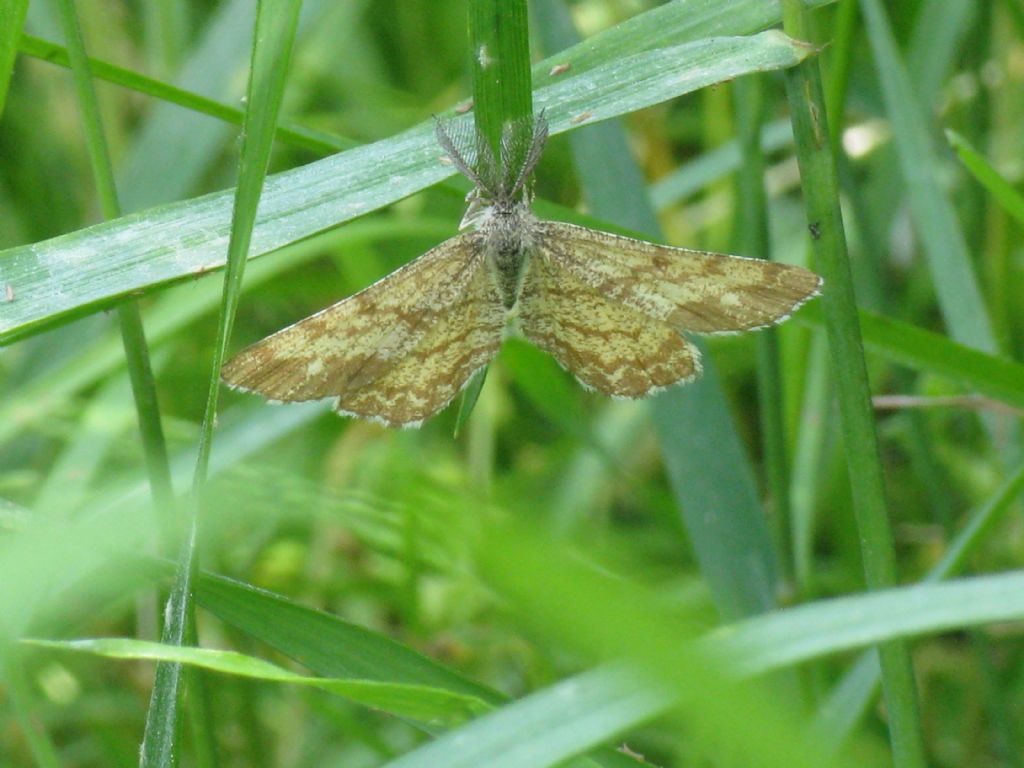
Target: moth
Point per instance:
(612, 310)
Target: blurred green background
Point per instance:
(382, 528)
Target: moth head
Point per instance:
(500, 180)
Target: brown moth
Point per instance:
(612, 310)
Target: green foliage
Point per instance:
(566, 574)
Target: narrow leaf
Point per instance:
(276, 22)
(418, 702)
(997, 185)
(933, 214)
(12, 17)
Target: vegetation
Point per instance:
(811, 556)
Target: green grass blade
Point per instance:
(287, 132)
(500, 59)
(714, 485)
(325, 643)
(840, 60)
(920, 350)
(163, 718)
(934, 48)
(1001, 190)
(173, 148)
(714, 165)
(333, 647)
(140, 373)
(809, 460)
(992, 375)
(934, 217)
(132, 335)
(21, 698)
(609, 618)
(667, 25)
(417, 702)
(276, 22)
(850, 698)
(562, 721)
(799, 634)
(141, 251)
(95, 141)
(12, 17)
(817, 170)
(275, 32)
(580, 611)
(751, 237)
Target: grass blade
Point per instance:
(921, 350)
(817, 169)
(998, 377)
(752, 239)
(335, 648)
(12, 17)
(934, 217)
(667, 25)
(609, 618)
(500, 56)
(500, 45)
(172, 147)
(327, 644)
(133, 337)
(562, 721)
(289, 133)
(276, 21)
(1001, 190)
(851, 697)
(20, 693)
(418, 702)
(799, 634)
(615, 618)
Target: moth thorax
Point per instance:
(508, 239)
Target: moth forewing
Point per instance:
(695, 291)
(458, 341)
(350, 347)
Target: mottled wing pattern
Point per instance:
(690, 290)
(607, 345)
(397, 351)
(455, 346)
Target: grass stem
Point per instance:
(818, 172)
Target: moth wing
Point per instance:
(457, 344)
(606, 344)
(691, 290)
(347, 348)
